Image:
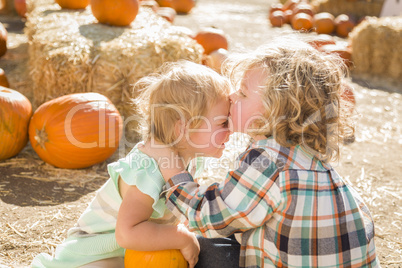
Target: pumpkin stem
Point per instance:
(41, 137)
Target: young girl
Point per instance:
(290, 207)
(184, 110)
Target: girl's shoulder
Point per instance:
(135, 165)
(140, 170)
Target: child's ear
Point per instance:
(180, 129)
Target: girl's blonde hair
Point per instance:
(180, 90)
(301, 96)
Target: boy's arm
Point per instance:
(240, 203)
(134, 231)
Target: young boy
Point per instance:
(290, 206)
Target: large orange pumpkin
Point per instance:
(115, 12)
(3, 79)
(76, 130)
(15, 112)
(171, 258)
(211, 39)
(73, 4)
(3, 40)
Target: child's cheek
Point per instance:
(221, 136)
(235, 117)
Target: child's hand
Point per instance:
(191, 250)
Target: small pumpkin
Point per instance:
(275, 7)
(303, 8)
(165, 3)
(150, 3)
(320, 40)
(167, 13)
(288, 14)
(344, 25)
(215, 59)
(73, 4)
(324, 23)
(277, 18)
(183, 6)
(115, 12)
(290, 4)
(171, 258)
(3, 79)
(15, 112)
(21, 7)
(342, 49)
(302, 22)
(211, 39)
(3, 40)
(76, 130)
(347, 94)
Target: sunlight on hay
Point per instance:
(377, 49)
(355, 8)
(70, 52)
(382, 197)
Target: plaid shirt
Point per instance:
(292, 210)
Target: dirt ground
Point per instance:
(39, 203)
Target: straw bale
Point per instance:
(377, 49)
(70, 52)
(356, 8)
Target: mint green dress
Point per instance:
(93, 236)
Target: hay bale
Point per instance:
(357, 9)
(70, 52)
(377, 49)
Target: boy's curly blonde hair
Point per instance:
(180, 90)
(301, 95)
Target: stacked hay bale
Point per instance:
(70, 52)
(377, 50)
(359, 8)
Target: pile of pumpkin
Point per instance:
(302, 17)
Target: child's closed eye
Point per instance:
(225, 123)
(241, 93)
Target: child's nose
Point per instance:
(233, 97)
